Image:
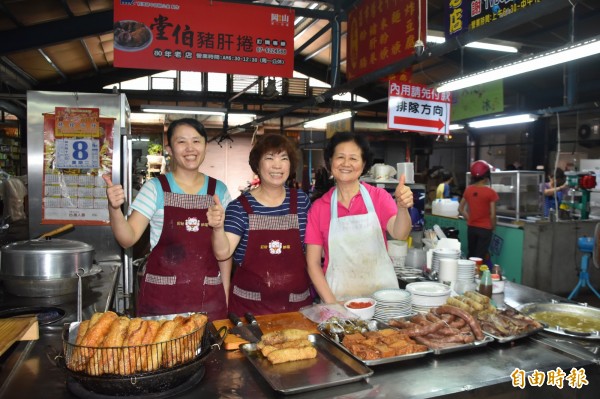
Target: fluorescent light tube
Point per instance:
(164, 109)
(435, 38)
(493, 47)
(507, 120)
(456, 126)
(321, 123)
(568, 53)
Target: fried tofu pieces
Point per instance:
(380, 344)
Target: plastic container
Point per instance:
(445, 207)
(485, 285)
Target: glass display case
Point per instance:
(519, 192)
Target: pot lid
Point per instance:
(47, 246)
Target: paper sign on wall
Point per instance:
(417, 108)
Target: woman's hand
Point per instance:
(216, 214)
(403, 194)
(115, 193)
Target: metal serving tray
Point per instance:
(456, 348)
(566, 308)
(462, 347)
(375, 362)
(510, 338)
(331, 367)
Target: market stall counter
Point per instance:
(496, 370)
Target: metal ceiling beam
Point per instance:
(11, 107)
(41, 35)
(52, 64)
(312, 39)
(14, 76)
(9, 14)
(298, 11)
(494, 28)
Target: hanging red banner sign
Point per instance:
(418, 108)
(205, 36)
(383, 32)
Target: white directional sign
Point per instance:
(417, 108)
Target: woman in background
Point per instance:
(349, 224)
(554, 190)
(443, 189)
(182, 273)
(264, 231)
(478, 207)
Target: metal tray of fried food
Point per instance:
(535, 327)
(461, 347)
(331, 367)
(374, 325)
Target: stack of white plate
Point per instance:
(427, 295)
(466, 270)
(392, 303)
(443, 253)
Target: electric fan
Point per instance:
(590, 246)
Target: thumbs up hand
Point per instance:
(403, 194)
(115, 193)
(216, 214)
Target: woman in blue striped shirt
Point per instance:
(263, 229)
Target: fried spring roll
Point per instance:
(292, 354)
(281, 336)
(301, 343)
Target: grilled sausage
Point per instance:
(466, 316)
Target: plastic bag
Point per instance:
(319, 313)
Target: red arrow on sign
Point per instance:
(400, 120)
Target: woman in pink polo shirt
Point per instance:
(349, 224)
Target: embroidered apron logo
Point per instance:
(192, 224)
(275, 247)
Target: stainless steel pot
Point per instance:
(45, 267)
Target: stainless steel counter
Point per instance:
(478, 373)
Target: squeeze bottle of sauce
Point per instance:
(485, 286)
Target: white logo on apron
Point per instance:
(275, 247)
(192, 224)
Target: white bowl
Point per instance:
(363, 313)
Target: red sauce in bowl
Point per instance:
(359, 305)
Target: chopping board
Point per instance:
(21, 328)
(268, 323)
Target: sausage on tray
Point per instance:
(466, 316)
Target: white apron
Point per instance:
(359, 263)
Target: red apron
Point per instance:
(182, 273)
(273, 277)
